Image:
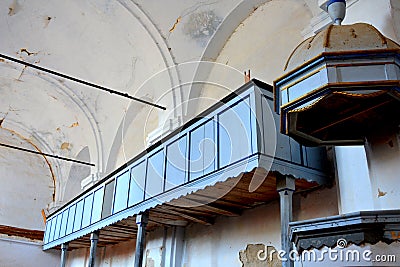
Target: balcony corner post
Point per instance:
(94, 238)
(64, 251)
(285, 186)
(141, 221)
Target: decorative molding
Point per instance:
(163, 130)
(90, 180)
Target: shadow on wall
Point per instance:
(77, 173)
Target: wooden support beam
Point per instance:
(124, 227)
(223, 201)
(117, 232)
(114, 235)
(159, 222)
(163, 214)
(186, 216)
(201, 204)
(21, 232)
(111, 228)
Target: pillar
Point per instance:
(94, 238)
(285, 186)
(141, 221)
(64, 250)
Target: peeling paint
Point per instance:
(47, 20)
(149, 261)
(13, 8)
(176, 23)
(65, 146)
(258, 255)
(202, 25)
(75, 124)
(381, 193)
(24, 50)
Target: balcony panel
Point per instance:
(108, 199)
(155, 174)
(97, 204)
(209, 147)
(221, 149)
(47, 232)
(70, 223)
(137, 183)
(64, 221)
(78, 216)
(202, 150)
(121, 192)
(52, 227)
(176, 168)
(87, 210)
(235, 133)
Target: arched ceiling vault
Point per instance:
(118, 44)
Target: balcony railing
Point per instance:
(234, 136)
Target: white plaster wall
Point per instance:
(318, 204)
(378, 13)
(219, 245)
(353, 179)
(20, 253)
(118, 255)
(122, 254)
(79, 257)
(383, 160)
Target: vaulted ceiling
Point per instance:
(137, 47)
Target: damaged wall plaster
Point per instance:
(201, 26)
(250, 257)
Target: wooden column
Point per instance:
(94, 238)
(64, 251)
(285, 186)
(141, 221)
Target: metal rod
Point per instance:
(141, 221)
(111, 91)
(45, 154)
(94, 238)
(64, 250)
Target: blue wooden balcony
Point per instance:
(221, 162)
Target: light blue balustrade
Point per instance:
(236, 135)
